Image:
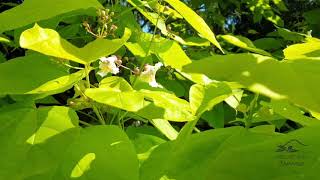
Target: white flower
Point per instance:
(108, 65)
(149, 74)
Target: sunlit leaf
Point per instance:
(291, 112)
(31, 11)
(203, 98)
(247, 153)
(195, 21)
(36, 74)
(49, 42)
(243, 43)
(169, 103)
(128, 100)
(89, 156)
(293, 80)
(309, 49)
(36, 138)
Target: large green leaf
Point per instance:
(130, 101)
(100, 152)
(304, 50)
(31, 11)
(158, 104)
(36, 138)
(35, 74)
(195, 21)
(117, 92)
(237, 154)
(144, 137)
(293, 80)
(116, 83)
(49, 42)
(169, 103)
(165, 128)
(48, 144)
(203, 98)
(243, 43)
(291, 112)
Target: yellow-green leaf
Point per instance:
(304, 50)
(297, 81)
(195, 21)
(35, 74)
(244, 43)
(49, 42)
(31, 11)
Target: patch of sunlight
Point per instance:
(246, 73)
(115, 143)
(165, 177)
(266, 91)
(41, 135)
(83, 165)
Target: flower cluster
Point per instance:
(104, 26)
(111, 65)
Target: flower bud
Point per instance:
(113, 27)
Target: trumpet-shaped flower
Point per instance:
(149, 74)
(108, 65)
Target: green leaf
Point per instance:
(280, 4)
(49, 145)
(35, 74)
(290, 35)
(128, 100)
(115, 82)
(195, 21)
(31, 11)
(215, 117)
(243, 43)
(36, 138)
(49, 42)
(165, 128)
(267, 129)
(203, 98)
(247, 153)
(268, 43)
(144, 138)
(116, 92)
(291, 112)
(291, 80)
(168, 103)
(304, 50)
(99, 152)
(57, 119)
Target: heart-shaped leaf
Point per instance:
(49, 42)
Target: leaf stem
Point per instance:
(84, 123)
(96, 110)
(87, 69)
(88, 115)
